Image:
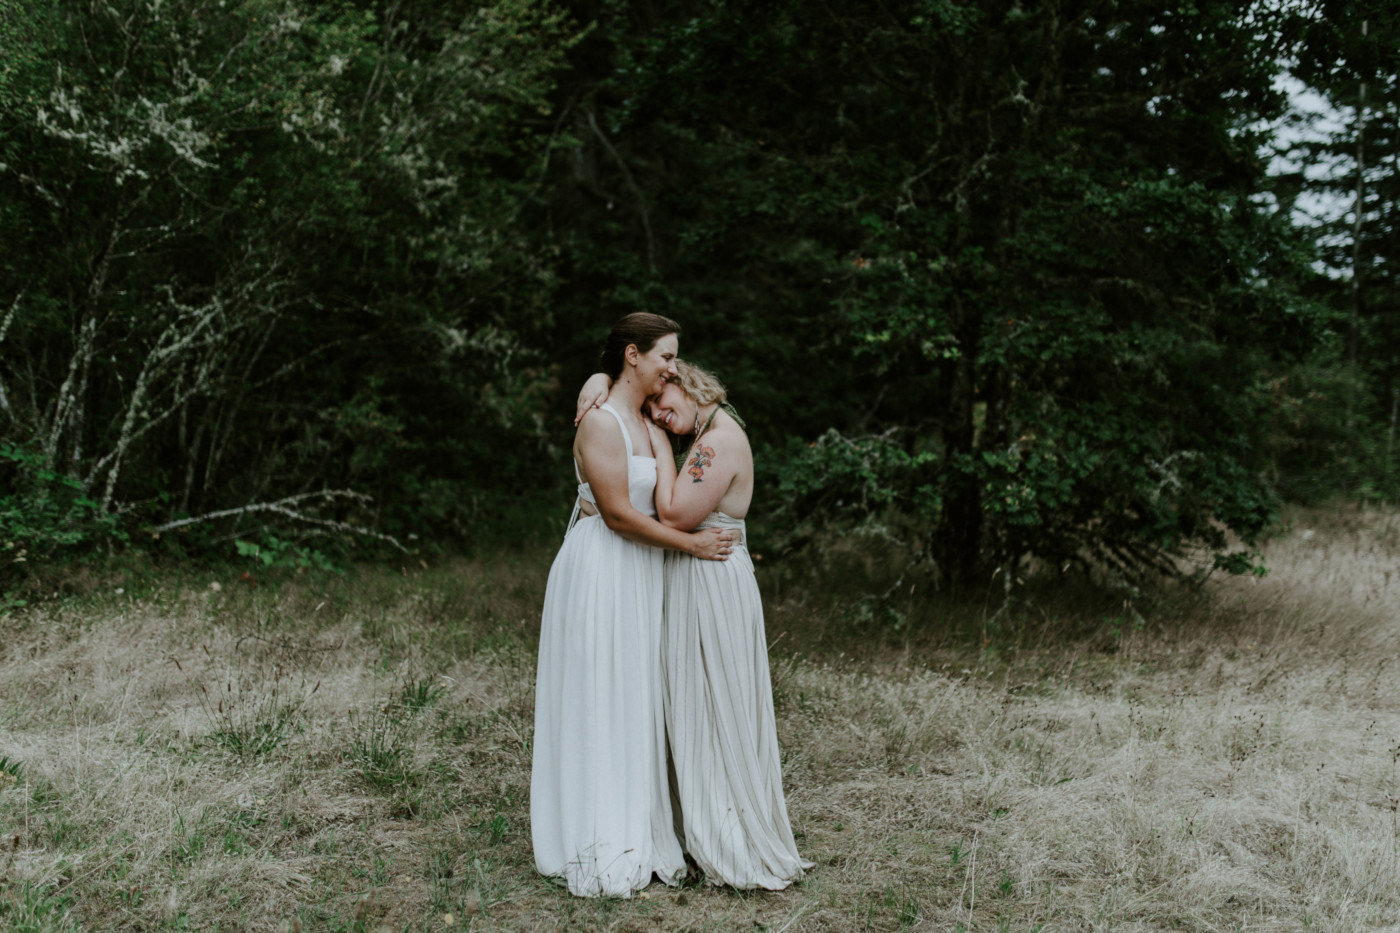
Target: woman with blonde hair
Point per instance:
(718, 696)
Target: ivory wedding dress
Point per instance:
(600, 807)
(719, 713)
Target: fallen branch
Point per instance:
(284, 507)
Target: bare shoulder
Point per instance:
(598, 434)
(597, 425)
(727, 435)
(722, 452)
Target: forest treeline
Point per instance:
(1008, 279)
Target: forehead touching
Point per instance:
(670, 394)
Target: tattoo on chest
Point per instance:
(704, 456)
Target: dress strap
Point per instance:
(626, 434)
(578, 500)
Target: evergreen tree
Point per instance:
(1346, 160)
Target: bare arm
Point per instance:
(665, 469)
(594, 393)
(603, 454)
(684, 501)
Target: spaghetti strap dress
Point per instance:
(719, 713)
(600, 806)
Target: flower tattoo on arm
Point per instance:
(704, 456)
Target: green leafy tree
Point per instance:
(1015, 256)
(256, 249)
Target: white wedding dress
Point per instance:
(600, 807)
(719, 712)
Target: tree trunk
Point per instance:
(961, 540)
(1394, 414)
(1360, 213)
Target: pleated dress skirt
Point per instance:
(719, 713)
(600, 809)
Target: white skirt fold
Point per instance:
(719, 716)
(600, 809)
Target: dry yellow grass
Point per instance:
(353, 754)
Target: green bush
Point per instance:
(44, 516)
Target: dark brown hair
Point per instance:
(640, 329)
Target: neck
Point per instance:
(703, 414)
(626, 395)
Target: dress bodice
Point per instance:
(641, 475)
(718, 519)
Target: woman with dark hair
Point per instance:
(718, 697)
(600, 809)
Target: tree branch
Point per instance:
(632, 183)
(284, 507)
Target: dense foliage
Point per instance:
(255, 250)
(1340, 409)
(1021, 248)
(1004, 279)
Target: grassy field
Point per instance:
(352, 753)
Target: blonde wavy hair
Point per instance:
(701, 385)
